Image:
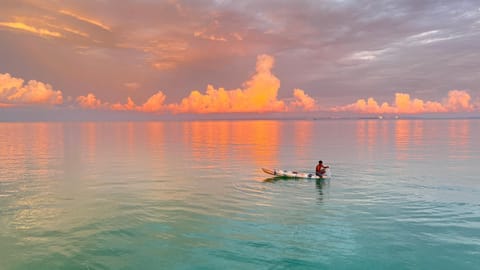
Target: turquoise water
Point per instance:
(404, 194)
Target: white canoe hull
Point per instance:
(293, 174)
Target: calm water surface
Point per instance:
(404, 194)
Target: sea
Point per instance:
(403, 194)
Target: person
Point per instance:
(320, 169)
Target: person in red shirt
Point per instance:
(320, 169)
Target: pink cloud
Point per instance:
(129, 106)
(302, 101)
(476, 104)
(154, 104)
(13, 91)
(90, 101)
(404, 104)
(457, 101)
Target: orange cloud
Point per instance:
(90, 101)
(154, 103)
(477, 103)
(204, 35)
(366, 106)
(31, 29)
(129, 106)
(13, 91)
(405, 105)
(76, 32)
(85, 19)
(302, 101)
(457, 101)
(259, 94)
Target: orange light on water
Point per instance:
(263, 138)
(368, 135)
(155, 135)
(208, 140)
(402, 138)
(459, 138)
(418, 130)
(221, 140)
(303, 132)
(89, 131)
(13, 147)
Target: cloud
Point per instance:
(366, 55)
(90, 101)
(404, 104)
(203, 35)
(302, 101)
(163, 54)
(132, 85)
(259, 94)
(154, 103)
(457, 101)
(129, 106)
(13, 91)
(169, 40)
(85, 19)
(66, 25)
(28, 28)
(476, 103)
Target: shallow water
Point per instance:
(403, 194)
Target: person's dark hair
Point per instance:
(320, 161)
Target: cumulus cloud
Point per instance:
(90, 101)
(154, 103)
(404, 104)
(259, 94)
(477, 103)
(14, 91)
(457, 101)
(129, 106)
(302, 101)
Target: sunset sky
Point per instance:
(206, 57)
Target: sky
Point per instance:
(209, 57)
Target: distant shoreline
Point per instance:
(74, 115)
(187, 118)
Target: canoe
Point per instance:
(293, 174)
